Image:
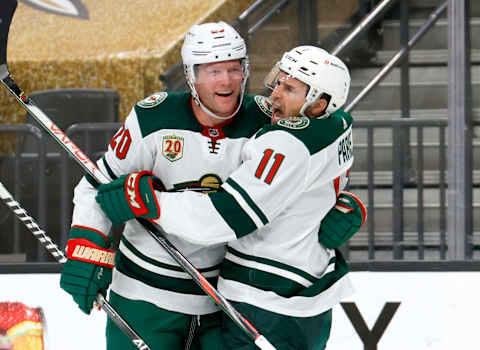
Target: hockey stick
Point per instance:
(52, 248)
(7, 8)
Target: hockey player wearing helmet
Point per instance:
(289, 176)
(189, 140)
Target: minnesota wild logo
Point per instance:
(264, 104)
(295, 123)
(172, 147)
(153, 100)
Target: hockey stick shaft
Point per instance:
(58, 255)
(156, 232)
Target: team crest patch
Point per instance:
(295, 123)
(172, 147)
(264, 104)
(153, 100)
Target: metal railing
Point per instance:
(396, 58)
(43, 183)
(11, 168)
(389, 180)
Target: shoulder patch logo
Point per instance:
(345, 125)
(172, 147)
(295, 123)
(264, 104)
(153, 100)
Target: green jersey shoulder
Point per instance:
(173, 110)
(316, 134)
(166, 110)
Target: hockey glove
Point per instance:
(342, 221)
(88, 269)
(130, 196)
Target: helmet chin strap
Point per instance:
(213, 115)
(304, 108)
(312, 96)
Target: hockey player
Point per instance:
(188, 140)
(275, 272)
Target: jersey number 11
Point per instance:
(267, 154)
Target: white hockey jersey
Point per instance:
(162, 135)
(270, 211)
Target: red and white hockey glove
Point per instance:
(88, 270)
(342, 221)
(130, 196)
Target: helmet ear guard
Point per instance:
(321, 71)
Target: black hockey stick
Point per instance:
(52, 248)
(7, 8)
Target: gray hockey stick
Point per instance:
(52, 248)
(7, 8)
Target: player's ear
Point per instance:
(317, 108)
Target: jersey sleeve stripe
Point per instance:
(239, 256)
(233, 213)
(91, 180)
(329, 278)
(281, 284)
(265, 270)
(247, 200)
(108, 169)
(260, 279)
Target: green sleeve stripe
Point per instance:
(109, 170)
(260, 279)
(158, 263)
(233, 214)
(274, 263)
(91, 181)
(281, 285)
(178, 285)
(247, 199)
(329, 279)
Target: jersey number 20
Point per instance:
(121, 142)
(267, 154)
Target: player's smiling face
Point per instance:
(288, 97)
(218, 85)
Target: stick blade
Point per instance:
(7, 8)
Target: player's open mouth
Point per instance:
(277, 113)
(224, 94)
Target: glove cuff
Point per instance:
(360, 205)
(95, 236)
(137, 184)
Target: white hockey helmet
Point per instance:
(321, 71)
(213, 42)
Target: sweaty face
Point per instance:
(287, 97)
(219, 85)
